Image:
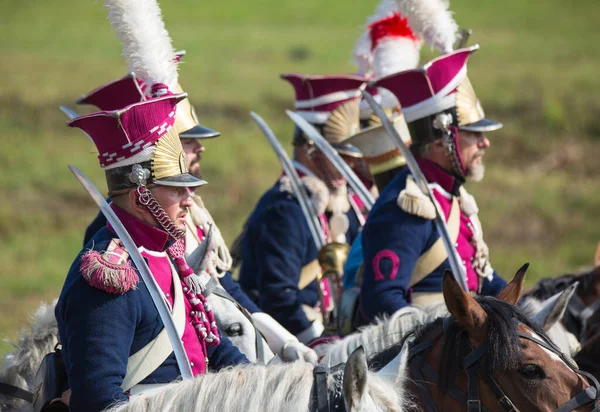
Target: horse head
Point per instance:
(488, 354)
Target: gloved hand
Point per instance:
(294, 351)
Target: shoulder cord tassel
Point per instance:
(109, 277)
(203, 318)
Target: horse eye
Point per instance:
(532, 371)
(234, 330)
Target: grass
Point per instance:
(536, 72)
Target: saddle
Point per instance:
(50, 384)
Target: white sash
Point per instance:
(145, 361)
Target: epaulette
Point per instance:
(319, 194)
(412, 200)
(467, 203)
(110, 271)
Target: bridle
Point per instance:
(471, 364)
(322, 398)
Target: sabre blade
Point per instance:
(308, 209)
(144, 271)
(71, 114)
(355, 183)
(421, 181)
(462, 38)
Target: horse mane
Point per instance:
(547, 287)
(504, 347)
(254, 388)
(19, 367)
(382, 336)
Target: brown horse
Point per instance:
(489, 356)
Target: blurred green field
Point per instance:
(536, 72)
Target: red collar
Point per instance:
(434, 173)
(143, 235)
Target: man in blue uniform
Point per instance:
(108, 324)
(279, 264)
(389, 45)
(404, 259)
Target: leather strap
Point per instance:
(436, 255)
(145, 361)
(11, 390)
(320, 388)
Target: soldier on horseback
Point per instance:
(279, 264)
(106, 318)
(403, 254)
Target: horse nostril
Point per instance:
(234, 330)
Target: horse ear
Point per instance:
(553, 308)
(512, 292)
(465, 310)
(355, 378)
(597, 256)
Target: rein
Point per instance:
(472, 365)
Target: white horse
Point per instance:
(19, 367)
(239, 328)
(290, 388)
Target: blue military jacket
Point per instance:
(276, 245)
(230, 285)
(99, 331)
(393, 240)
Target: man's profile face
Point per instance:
(175, 201)
(472, 148)
(193, 150)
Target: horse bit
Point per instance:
(472, 365)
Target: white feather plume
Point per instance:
(362, 51)
(146, 43)
(432, 21)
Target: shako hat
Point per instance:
(129, 89)
(331, 103)
(391, 43)
(439, 87)
(138, 144)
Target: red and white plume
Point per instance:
(394, 46)
(363, 55)
(395, 32)
(146, 43)
(432, 21)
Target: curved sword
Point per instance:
(355, 183)
(144, 271)
(421, 181)
(308, 209)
